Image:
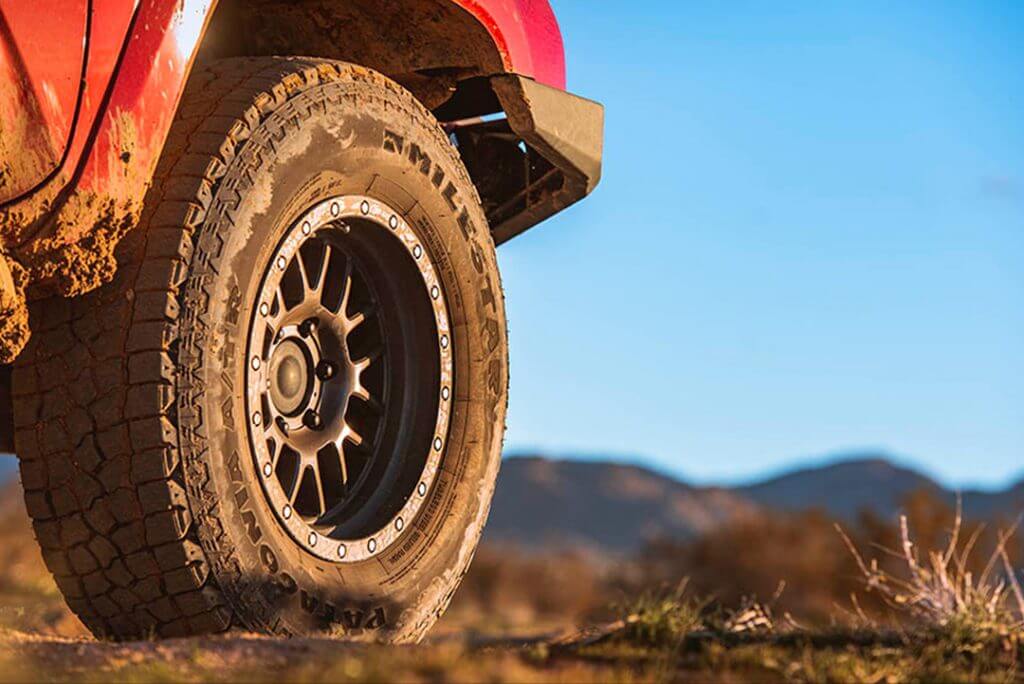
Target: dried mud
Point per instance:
(14, 331)
(65, 245)
(27, 152)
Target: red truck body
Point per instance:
(88, 89)
(58, 72)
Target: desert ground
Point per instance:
(736, 604)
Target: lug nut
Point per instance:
(311, 419)
(325, 370)
(308, 326)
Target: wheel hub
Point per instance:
(339, 350)
(291, 377)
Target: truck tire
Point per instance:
(285, 414)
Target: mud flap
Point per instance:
(544, 156)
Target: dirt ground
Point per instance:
(501, 628)
(40, 640)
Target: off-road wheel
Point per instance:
(286, 412)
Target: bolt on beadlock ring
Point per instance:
(316, 354)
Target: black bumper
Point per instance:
(542, 157)
(566, 130)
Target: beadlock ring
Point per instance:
(373, 214)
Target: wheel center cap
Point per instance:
(290, 377)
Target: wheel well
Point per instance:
(428, 46)
(450, 62)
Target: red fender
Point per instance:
(139, 54)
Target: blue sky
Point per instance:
(809, 239)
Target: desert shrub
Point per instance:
(802, 553)
(753, 558)
(938, 587)
(661, 619)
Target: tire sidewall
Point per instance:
(333, 139)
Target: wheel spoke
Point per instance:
(356, 460)
(356, 320)
(346, 292)
(274, 432)
(347, 435)
(358, 388)
(273, 450)
(344, 466)
(319, 489)
(307, 285)
(278, 310)
(367, 361)
(325, 264)
(298, 483)
(358, 368)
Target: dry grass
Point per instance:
(662, 619)
(940, 590)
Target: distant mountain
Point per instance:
(843, 488)
(612, 506)
(1008, 503)
(617, 507)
